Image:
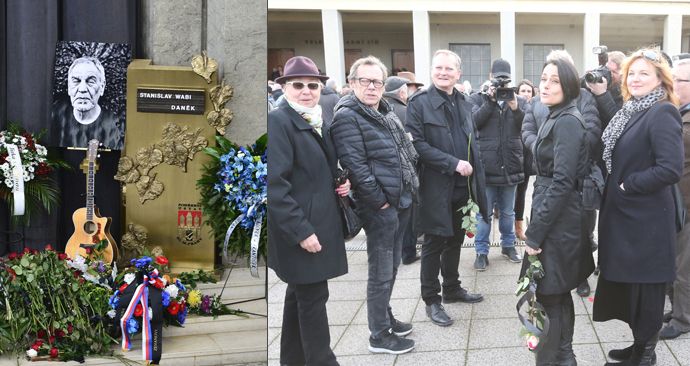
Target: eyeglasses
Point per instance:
(366, 82)
(298, 85)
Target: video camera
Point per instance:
(502, 91)
(602, 72)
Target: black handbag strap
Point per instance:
(531, 327)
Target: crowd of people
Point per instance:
(417, 156)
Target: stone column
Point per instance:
(171, 31)
(508, 40)
(333, 46)
(422, 46)
(591, 39)
(673, 27)
(236, 37)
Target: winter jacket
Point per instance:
(366, 147)
(428, 116)
(499, 139)
(302, 201)
(399, 107)
(329, 98)
(556, 225)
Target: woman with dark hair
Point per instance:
(555, 233)
(643, 153)
(526, 90)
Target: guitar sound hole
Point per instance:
(90, 227)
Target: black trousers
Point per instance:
(557, 347)
(305, 338)
(442, 253)
(409, 244)
(520, 194)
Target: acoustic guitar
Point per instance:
(90, 228)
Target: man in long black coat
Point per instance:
(440, 121)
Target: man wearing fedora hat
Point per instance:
(412, 85)
(305, 236)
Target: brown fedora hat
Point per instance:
(409, 76)
(300, 66)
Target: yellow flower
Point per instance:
(194, 298)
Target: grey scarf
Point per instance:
(617, 125)
(406, 151)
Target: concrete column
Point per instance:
(422, 46)
(333, 46)
(172, 31)
(673, 27)
(508, 40)
(236, 38)
(591, 39)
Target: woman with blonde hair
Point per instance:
(643, 153)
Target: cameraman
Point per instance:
(608, 97)
(498, 114)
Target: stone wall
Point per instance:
(233, 32)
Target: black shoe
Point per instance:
(624, 354)
(400, 329)
(461, 295)
(583, 289)
(669, 332)
(511, 254)
(388, 342)
(438, 315)
(481, 262)
(668, 316)
(410, 260)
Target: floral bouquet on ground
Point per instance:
(536, 324)
(40, 190)
(49, 310)
(233, 193)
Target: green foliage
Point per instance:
(190, 279)
(218, 213)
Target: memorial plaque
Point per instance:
(171, 101)
(174, 219)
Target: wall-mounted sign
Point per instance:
(173, 101)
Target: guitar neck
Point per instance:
(90, 191)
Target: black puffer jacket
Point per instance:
(499, 139)
(367, 149)
(536, 114)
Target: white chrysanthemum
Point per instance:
(31, 353)
(172, 291)
(129, 277)
(111, 313)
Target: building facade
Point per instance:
(405, 33)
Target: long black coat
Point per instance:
(637, 233)
(561, 163)
(427, 120)
(301, 201)
(499, 139)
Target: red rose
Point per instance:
(41, 334)
(88, 250)
(138, 310)
(59, 333)
(62, 256)
(12, 273)
(54, 352)
(76, 273)
(81, 280)
(157, 283)
(51, 339)
(34, 252)
(162, 260)
(12, 256)
(173, 308)
(123, 287)
(35, 347)
(70, 328)
(470, 234)
(26, 251)
(39, 343)
(48, 247)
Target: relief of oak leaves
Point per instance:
(177, 146)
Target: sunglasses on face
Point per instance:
(298, 85)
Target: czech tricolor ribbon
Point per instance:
(141, 295)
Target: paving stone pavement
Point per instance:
(483, 334)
